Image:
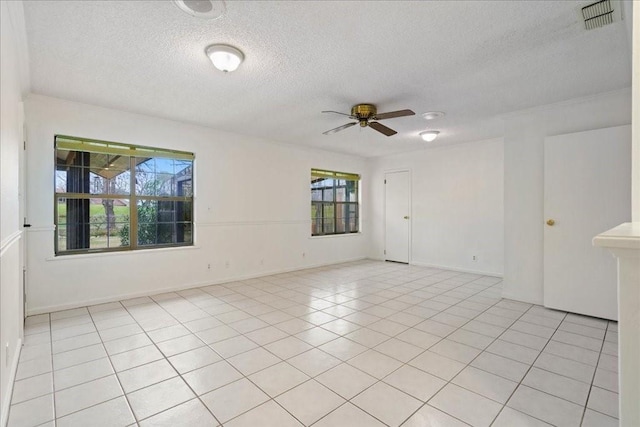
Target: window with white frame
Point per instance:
(112, 196)
(334, 202)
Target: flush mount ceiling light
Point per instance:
(429, 135)
(225, 58)
(204, 9)
(431, 115)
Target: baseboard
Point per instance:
(461, 270)
(6, 399)
(507, 295)
(85, 303)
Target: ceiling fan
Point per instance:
(364, 114)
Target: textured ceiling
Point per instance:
(475, 60)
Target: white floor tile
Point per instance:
(346, 380)
(412, 328)
(88, 394)
(375, 364)
(596, 419)
(314, 362)
(466, 405)
(146, 375)
(32, 387)
(603, 401)
(485, 384)
(415, 382)
(510, 418)
(348, 415)
(31, 412)
(545, 407)
(191, 413)
(234, 399)
(82, 373)
(387, 403)
(501, 366)
(114, 412)
(269, 414)
(567, 367)
(158, 397)
(430, 416)
(310, 401)
(437, 365)
(557, 385)
(278, 378)
(211, 377)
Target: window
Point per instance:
(113, 197)
(334, 202)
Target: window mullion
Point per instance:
(133, 205)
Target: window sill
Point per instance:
(120, 253)
(329, 236)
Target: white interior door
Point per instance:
(397, 221)
(587, 190)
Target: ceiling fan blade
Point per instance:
(337, 112)
(393, 114)
(382, 128)
(339, 128)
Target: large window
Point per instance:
(334, 202)
(111, 197)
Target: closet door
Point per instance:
(587, 190)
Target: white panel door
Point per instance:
(397, 221)
(587, 189)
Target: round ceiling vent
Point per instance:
(204, 9)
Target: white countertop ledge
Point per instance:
(624, 236)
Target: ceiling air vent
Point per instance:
(597, 14)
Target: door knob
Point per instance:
(406, 217)
(550, 222)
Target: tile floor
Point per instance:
(359, 344)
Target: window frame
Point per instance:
(320, 204)
(133, 152)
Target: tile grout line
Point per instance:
(527, 372)
(595, 371)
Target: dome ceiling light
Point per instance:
(429, 135)
(224, 57)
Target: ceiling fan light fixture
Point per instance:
(432, 115)
(224, 57)
(429, 135)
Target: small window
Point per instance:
(334, 203)
(113, 197)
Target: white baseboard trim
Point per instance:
(461, 270)
(113, 298)
(520, 298)
(6, 399)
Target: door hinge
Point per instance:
(24, 145)
(385, 181)
(385, 251)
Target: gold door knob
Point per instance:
(406, 217)
(550, 222)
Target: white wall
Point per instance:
(524, 180)
(252, 209)
(12, 83)
(457, 210)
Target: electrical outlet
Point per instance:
(475, 258)
(226, 264)
(209, 266)
(304, 254)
